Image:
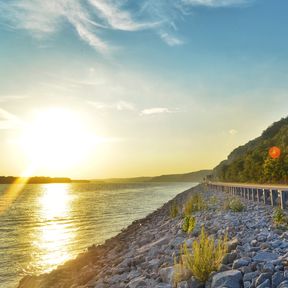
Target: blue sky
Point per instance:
(169, 86)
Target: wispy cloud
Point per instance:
(155, 110)
(90, 18)
(120, 105)
(9, 120)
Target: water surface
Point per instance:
(51, 223)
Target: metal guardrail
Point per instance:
(275, 196)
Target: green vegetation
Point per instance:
(206, 255)
(234, 204)
(194, 204)
(174, 210)
(280, 218)
(251, 162)
(189, 223)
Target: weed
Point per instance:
(194, 204)
(206, 255)
(234, 204)
(189, 223)
(279, 217)
(174, 210)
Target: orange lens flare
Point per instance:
(274, 152)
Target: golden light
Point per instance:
(56, 139)
(53, 236)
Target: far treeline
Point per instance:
(38, 180)
(252, 163)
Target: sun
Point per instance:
(55, 139)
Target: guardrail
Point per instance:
(270, 195)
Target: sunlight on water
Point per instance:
(52, 238)
(48, 224)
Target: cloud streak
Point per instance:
(155, 110)
(9, 121)
(91, 19)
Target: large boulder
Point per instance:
(231, 279)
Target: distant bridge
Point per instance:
(274, 195)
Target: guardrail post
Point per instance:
(266, 195)
(273, 197)
(283, 199)
(254, 194)
(259, 194)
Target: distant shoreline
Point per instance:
(38, 180)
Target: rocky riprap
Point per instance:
(142, 255)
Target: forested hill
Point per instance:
(252, 163)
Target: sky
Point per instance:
(97, 89)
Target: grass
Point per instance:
(280, 218)
(234, 204)
(174, 210)
(205, 256)
(194, 204)
(189, 223)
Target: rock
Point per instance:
(284, 284)
(250, 276)
(166, 274)
(163, 285)
(229, 258)
(247, 284)
(268, 267)
(193, 282)
(232, 244)
(265, 256)
(265, 284)
(138, 282)
(262, 278)
(276, 243)
(231, 279)
(182, 284)
(277, 278)
(240, 263)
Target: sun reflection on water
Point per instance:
(55, 233)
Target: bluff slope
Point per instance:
(252, 163)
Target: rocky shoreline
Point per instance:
(142, 255)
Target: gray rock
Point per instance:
(265, 284)
(138, 282)
(284, 284)
(262, 278)
(250, 276)
(277, 278)
(231, 279)
(166, 274)
(182, 284)
(232, 244)
(229, 258)
(268, 267)
(193, 282)
(265, 256)
(163, 285)
(247, 284)
(240, 263)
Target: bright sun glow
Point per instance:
(56, 139)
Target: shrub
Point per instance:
(189, 223)
(279, 217)
(234, 204)
(194, 204)
(206, 255)
(213, 200)
(173, 210)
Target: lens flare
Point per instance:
(274, 152)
